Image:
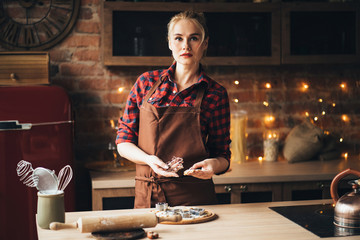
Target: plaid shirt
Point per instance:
(214, 116)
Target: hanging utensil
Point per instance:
(25, 172)
(64, 177)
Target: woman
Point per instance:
(177, 112)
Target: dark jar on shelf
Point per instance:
(139, 42)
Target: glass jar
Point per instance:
(238, 145)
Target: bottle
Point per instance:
(139, 42)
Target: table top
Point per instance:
(248, 172)
(235, 221)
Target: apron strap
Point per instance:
(199, 95)
(152, 89)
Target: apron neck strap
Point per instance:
(152, 89)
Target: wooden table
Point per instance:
(235, 221)
(281, 178)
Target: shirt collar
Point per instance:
(169, 74)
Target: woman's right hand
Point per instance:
(159, 166)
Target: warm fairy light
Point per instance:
(268, 85)
(326, 132)
(307, 114)
(345, 118)
(345, 155)
(341, 140)
(236, 82)
(305, 86)
(315, 119)
(323, 113)
(269, 119)
(260, 158)
(121, 89)
(333, 104)
(343, 86)
(320, 100)
(112, 123)
(236, 100)
(266, 104)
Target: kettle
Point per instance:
(347, 208)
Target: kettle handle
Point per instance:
(335, 182)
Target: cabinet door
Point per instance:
(320, 33)
(240, 33)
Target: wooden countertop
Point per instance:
(236, 221)
(248, 172)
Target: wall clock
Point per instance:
(36, 24)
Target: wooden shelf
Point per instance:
(219, 16)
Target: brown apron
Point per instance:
(167, 132)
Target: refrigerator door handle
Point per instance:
(14, 125)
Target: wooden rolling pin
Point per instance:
(116, 222)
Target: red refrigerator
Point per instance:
(36, 125)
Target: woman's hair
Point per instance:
(196, 17)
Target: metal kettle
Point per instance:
(347, 208)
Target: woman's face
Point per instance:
(185, 42)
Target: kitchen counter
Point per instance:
(279, 177)
(248, 172)
(235, 221)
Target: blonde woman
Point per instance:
(177, 112)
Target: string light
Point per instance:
(236, 82)
(323, 113)
(341, 140)
(121, 89)
(268, 85)
(345, 155)
(236, 100)
(315, 119)
(345, 118)
(333, 104)
(266, 104)
(305, 86)
(343, 86)
(320, 100)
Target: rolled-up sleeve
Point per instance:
(128, 124)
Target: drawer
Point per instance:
(24, 68)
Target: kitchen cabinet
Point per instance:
(242, 33)
(320, 33)
(252, 181)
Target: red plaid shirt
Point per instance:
(214, 116)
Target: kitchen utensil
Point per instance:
(48, 182)
(25, 172)
(64, 177)
(50, 208)
(347, 208)
(115, 222)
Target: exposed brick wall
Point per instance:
(76, 65)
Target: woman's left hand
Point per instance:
(207, 168)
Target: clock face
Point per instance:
(36, 24)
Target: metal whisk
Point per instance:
(25, 172)
(64, 177)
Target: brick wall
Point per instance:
(76, 65)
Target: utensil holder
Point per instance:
(50, 208)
